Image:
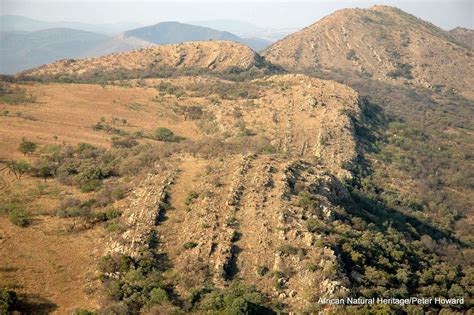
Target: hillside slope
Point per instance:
(381, 42)
(161, 60)
(232, 186)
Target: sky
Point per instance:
(266, 14)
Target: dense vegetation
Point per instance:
(406, 229)
(136, 284)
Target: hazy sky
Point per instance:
(264, 13)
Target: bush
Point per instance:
(314, 225)
(80, 311)
(15, 96)
(93, 185)
(164, 134)
(309, 203)
(124, 142)
(72, 212)
(108, 215)
(8, 301)
(237, 298)
(351, 55)
(288, 249)
(262, 270)
(115, 263)
(189, 245)
(191, 197)
(158, 296)
(19, 217)
(403, 70)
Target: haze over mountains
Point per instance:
(12, 23)
(24, 50)
(381, 42)
(25, 44)
(169, 33)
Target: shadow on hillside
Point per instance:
(35, 305)
(364, 204)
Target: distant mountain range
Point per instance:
(170, 33)
(24, 50)
(26, 43)
(9, 23)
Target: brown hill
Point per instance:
(464, 36)
(196, 57)
(380, 42)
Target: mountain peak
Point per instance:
(381, 42)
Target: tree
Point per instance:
(44, 168)
(18, 168)
(27, 147)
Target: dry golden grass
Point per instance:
(291, 116)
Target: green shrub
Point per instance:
(191, 197)
(8, 301)
(158, 296)
(164, 134)
(309, 203)
(74, 211)
(93, 185)
(314, 225)
(288, 249)
(189, 245)
(237, 298)
(124, 142)
(113, 227)
(20, 217)
(115, 263)
(80, 311)
(107, 216)
(15, 96)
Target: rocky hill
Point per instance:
(161, 60)
(381, 42)
(464, 36)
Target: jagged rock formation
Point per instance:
(160, 60)
(381, 42)
(243, 219)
